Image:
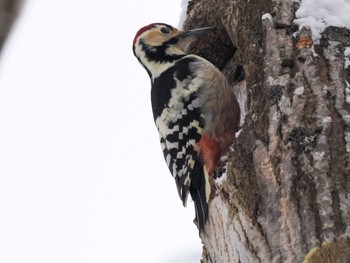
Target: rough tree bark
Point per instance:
(285, 194)
(9, 10)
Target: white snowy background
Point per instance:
(82, 177)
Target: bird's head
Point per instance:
(157, 46)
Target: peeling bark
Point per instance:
(285, 194)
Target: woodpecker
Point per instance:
(194, 109)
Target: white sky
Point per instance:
(82, 177)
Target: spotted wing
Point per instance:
(177, 114)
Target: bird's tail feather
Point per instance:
(199, 192)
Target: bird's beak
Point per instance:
(186, 38)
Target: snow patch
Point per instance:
(222, 178)
(347, 92)
(319, 14)
(238, 133)
(280, 1)
(299, 91)
(318, 156)
(347, 140)
(219, 180)
(347, 52)
(327, 120)
(224, 158)
(346, 65)
(267, 16)
(347, 57)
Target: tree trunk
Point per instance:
(8, 13)
(283, 195)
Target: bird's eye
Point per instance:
(165, 30)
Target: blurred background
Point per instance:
(82, 176)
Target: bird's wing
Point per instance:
(179, 120)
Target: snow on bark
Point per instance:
(319, 14)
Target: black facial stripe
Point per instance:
(158, 54)
(171, 41)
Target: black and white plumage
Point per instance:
(194, 108)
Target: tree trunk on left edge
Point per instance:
(9, 10)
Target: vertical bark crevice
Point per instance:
(338, 165)
(308, 198)
(305, 193)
